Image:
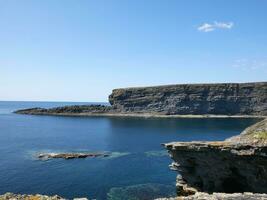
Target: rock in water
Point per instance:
(70, 155)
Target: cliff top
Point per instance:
(255, 135)
(191, 84)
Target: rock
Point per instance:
(255, 135)
(172, 100)
(70, 155)
(220, 196)
(11, 196)
(66, 110)
(195, 99)
(236, 165)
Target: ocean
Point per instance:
(138, 165)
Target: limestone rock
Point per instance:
(77, 109)
(220, 196)
(236, 165)
(70, 155)
(196, 99)
(11, 196)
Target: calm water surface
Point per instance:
(138, 162)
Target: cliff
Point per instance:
(196, 99)
(236, 165)
(228, 99)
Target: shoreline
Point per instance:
(144, 115)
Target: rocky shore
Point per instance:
(237, 165)
(11, 196)
(184, 100)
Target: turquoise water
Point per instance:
(137, 168)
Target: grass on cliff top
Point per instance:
(261, 135)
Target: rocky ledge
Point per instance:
(236, 165)
(70, 155)
(220, 196)
(67, 110)
(11, 196)
(225, 99)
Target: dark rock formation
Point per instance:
(67, 110)
(223, 99)
(70, 155)
(236, 165)
(171, 100)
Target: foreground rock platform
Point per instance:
(236, 165)
(11, 196)
(220, 196)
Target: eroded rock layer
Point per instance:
(198, 99)
(236, 165)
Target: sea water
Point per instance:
(137, 167)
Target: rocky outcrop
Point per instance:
(196, 99)
(236, 165)
(68, 156)
(229, 99)
(220, 196)
(11, 196)
(67, 110)
(253, 135)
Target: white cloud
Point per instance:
(216, 25)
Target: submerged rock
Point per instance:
(236, 165)
(161, 153)
(70, 155)
(141, 192)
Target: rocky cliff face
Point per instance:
(236, 165)
(224, 99)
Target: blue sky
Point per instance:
(80, 50)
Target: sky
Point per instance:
(77, 50)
